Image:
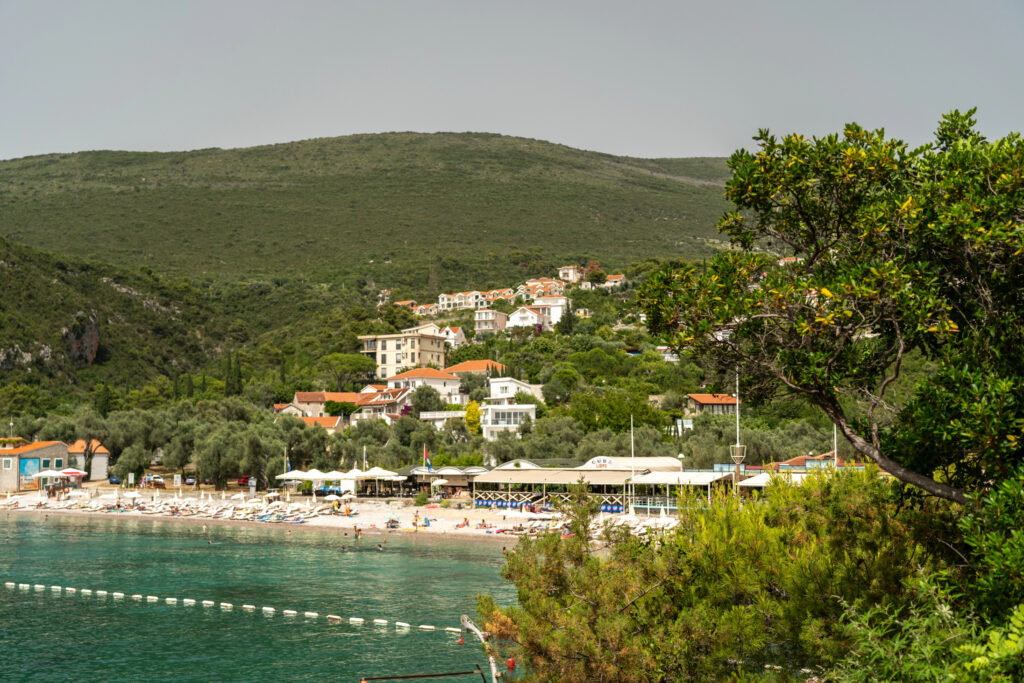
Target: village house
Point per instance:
(453, 336)
(529, 316)
(503, 390)
(311, 403)
(500, 413)
(100, 459)
(20, 460)
(330, 423)
(711, 404)
(446, 384)
(396, 352)
(383, 404)
(554, 306)
(488, 321)
(424, 310)
(476, 367)
(570, 274)
(288, 409)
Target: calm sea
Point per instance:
(48, 636)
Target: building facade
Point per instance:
(396, 352)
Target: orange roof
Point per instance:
(454, 330)
(476, 366)
(309, 397)
(325, 422)
(79, 447)
(35, 445)
(430, 373)
(614, 277)
(341, 396)
(714, 399)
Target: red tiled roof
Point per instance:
(341, 396)
(476, 366)
(714, 399)
(309, 397)
(35, 445)
(79, 447)
(431, 373)
(325, 422)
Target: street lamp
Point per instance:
(681, 456)
(738, 452)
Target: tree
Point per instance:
(346, 368)
(567, 323)
(895, 252)
(597, 277)
(336, 408)
(473, 417)
(425, 399)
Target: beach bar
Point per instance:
(520, 483)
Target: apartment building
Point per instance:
(396, 352)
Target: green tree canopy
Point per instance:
(346, 368)
(894, 250)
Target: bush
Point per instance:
(420, 499)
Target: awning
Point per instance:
(680, 478)
(759, 481)
(555, 476)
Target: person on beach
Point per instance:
(380, 547)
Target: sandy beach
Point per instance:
(370, 516)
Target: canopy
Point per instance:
(335, 475)
(680, 478)
(48, 473)
(297, 475)
(354, 473)
(377, 473)
(332, 497)
(72, 472)
(439, 482)
(315, 475)
(765, 478)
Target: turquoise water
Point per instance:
(48, 636)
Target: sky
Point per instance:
(633, 78)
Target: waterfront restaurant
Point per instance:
(520, 482)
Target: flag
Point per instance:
(426, 458)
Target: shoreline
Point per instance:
(368, 522)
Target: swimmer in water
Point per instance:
(380, 547)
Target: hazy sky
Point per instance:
(652, 79)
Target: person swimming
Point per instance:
(380, 547)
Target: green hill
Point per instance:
(414, 211)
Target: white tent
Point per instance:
(335, 475)
(294, 475)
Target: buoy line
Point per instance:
(267, 611)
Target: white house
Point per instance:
(503, 390)
(501, 413)
(486, 320)
(553, 305)
(453, 336)
(446, 384)
(570, 274)
(529, 316)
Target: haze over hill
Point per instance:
(420, 211)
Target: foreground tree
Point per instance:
(895, 251)
(346, 368)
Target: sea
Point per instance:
(48, 635)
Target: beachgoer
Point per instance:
(380, 547)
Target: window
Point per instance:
(8, 463)
(58, 463)
(383, 359)
(46, 464)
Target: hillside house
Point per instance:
(446, 384)
(396, 352)
(711, 404)
(554, 306)
(331, 424)
(476, 367)
(529, 316)
(453, 336)
(492, 322)
(500, 413)
(311, 403)
(570, 274)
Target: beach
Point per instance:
(369, 516)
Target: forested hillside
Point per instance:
(413, 211)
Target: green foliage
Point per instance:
(337, 408)
(420, 499)
(735, 590)
(473, 416)
(1000, 655)
(345, 369)
(613, 409)
(167, 210)
(425, 399)
(888, 243)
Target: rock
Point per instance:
(83, 339)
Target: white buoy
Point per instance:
(85, 591)
(424, 627)
(249, 608)
(9, 584)
(171, 601)
(227, 605)
(101, 594)
(188, 601)
(290, 613)
(453, 630)
(333, 617)
(355, 620)
(24, 586)
(311, 615)
(380, 622)
(136, 596)
(152, 598)
(401, 624)
(53, 588)
(70, 590)
(118, 595)
(207, 603)
(269, 610)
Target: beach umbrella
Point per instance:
(238, 496)
(335, 475)
(295, 475)
(332, 497)
(72, 472)
(48, 473)
(438, 482)
(348, 496)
